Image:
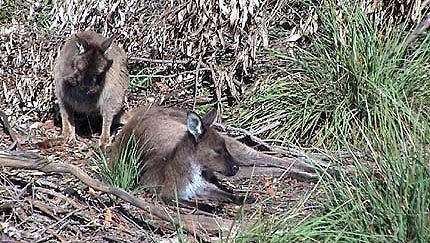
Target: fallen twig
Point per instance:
(168, 76)
(174, 92)
(196, 82)
(422, 28)
(143, 59)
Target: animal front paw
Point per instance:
(93, 90)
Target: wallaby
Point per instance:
(244, 155)
(91, 77)
(180, 157)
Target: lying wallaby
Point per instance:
(244, 155)
(91, 77)
(180, 156)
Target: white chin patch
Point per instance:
(195, 184)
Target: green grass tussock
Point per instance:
(126, 171)
(389, 203)
(357, 72)
(359, 85)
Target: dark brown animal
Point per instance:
(91, 77)
(182, 152)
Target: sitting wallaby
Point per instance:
(180, 157)
(91, 77)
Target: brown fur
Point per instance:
(176, 160)
(91, 77)
(246, 156)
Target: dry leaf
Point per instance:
(271, 191)
(108, 218)
(92, 192)
(269, 187)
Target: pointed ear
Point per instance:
(106, 44)
(194, 125)
(81, 44)
(210, 117)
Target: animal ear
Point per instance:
(210, 117)
(194, 125)
(106, 44)
(81, 44)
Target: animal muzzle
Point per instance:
(232, 170)
(231, 164)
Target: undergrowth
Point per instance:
(35, 13)
(360, 86)
(124, 169)
(357, 72)
(388, 203)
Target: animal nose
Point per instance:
(234, 169)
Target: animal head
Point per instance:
(211, 151)
(90, 64)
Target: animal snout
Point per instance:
(233, 170)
